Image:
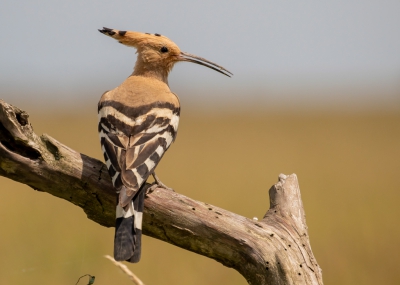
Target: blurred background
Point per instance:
(315, 91)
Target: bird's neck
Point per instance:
(150, 70)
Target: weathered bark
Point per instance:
(275, 250)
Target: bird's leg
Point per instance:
(159, 183)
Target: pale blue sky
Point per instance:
(52, 53)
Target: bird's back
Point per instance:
(137, 123)
(137, 93)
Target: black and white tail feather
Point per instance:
(133, 140)
(128, 233)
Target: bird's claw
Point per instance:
(165, 187)
(150, 189)
(158, 182)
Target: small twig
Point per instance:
(126, 270)
(91, 279)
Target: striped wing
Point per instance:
(133, 141)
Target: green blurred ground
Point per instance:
(348, 166)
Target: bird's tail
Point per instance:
(128, 229)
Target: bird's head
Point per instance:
(157, 54)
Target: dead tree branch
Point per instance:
(275, 250)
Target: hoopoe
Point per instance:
(138, 121)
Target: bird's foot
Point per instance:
(158, 183)
(150, 189)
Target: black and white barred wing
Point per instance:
(133, 147)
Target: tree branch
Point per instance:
(275, 250)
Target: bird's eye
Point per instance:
(164, 49)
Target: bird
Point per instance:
(138, 121)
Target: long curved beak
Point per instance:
(184, 56)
